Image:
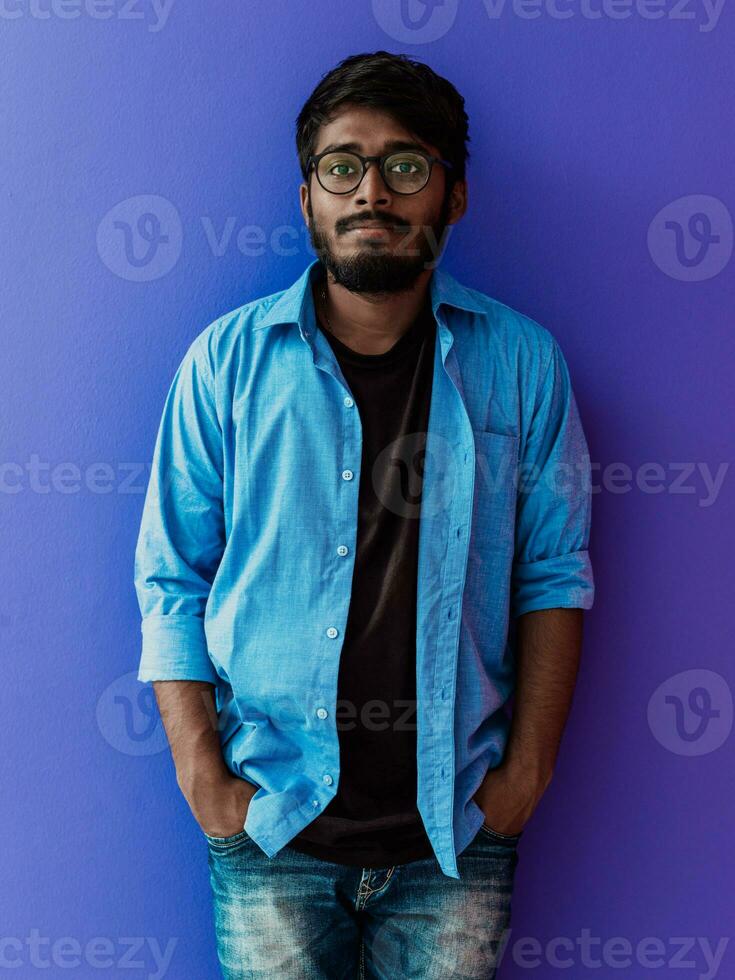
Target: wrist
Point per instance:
(534, 776)
(533, 773)
(201, 777)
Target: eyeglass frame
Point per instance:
(380, 160)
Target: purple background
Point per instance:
(582, 131)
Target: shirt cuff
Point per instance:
(175, 649)
(565, 581)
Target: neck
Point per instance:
(369, 323)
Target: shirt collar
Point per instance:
(290, 307)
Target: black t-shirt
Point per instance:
(373, 820)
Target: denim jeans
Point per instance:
(295, 916)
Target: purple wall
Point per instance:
(601, 196)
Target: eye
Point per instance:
(408, 170)
(340, 168)
(404, 167)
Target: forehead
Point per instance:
(370, 130)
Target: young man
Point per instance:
(366, 529)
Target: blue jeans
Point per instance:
(295, 916)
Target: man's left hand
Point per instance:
(508, 797)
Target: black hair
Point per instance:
(424, 103)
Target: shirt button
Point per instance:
(332, 631)
(348, 401)
(327, 779)
(342, 549)
(347, 474)
(315, 802)
(321, 712)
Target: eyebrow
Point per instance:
(390, 146)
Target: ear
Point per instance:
(457, 201)
(303, 199)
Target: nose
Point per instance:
(373, 189)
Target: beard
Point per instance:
(373, 268)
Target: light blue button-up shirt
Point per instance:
(244, 561)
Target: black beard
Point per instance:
(379, 272)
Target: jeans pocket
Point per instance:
(225, 843)
(510, 840)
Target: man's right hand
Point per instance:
(218, 799)
(219, 804)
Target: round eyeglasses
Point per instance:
(404, 172)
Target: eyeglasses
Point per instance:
(404, 172)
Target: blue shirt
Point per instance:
(244, 560)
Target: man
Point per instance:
(366, 530)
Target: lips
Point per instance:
(370, 225)
(374, 229)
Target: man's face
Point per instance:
(391, 259)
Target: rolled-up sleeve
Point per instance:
(181, 537)
(552, 567)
